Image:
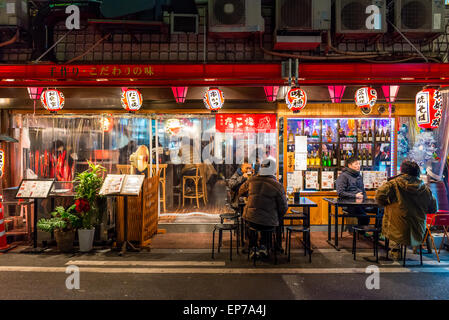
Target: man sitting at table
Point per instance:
(407, 200)
(350, 186)
(267, 204)
(237, 180)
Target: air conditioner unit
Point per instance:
(420, 18)
(299, 23)
(183, 23)
(235, 18)
(360, 18)
(14, 13)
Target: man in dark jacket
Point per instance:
(237, 180)
(350, 186)
(267, 204)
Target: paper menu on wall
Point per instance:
(294, 180)
(301, 144)
(368, 182)
(327, 180)
(381, 178)
(34, 189)
(300, 161)
(312, 180)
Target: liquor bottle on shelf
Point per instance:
(329, 159)
(382, 136)
(334, 158)
(291, 138)
(388, 161)
(364, 160)
(364, 137)
(308, 158)
(342, 158)
(370, 160)
(387, 135)
(378, 135)
(370, 136)
(317, 159)
(323, 159)
(359, 135)
(312, 159)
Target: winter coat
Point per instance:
(349, 183)
(267, 202)
(234, 185)
(407, 200)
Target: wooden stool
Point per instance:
(124, 168)
(197, 178)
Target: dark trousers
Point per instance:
(363, 220)
(265, 237)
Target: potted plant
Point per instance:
(87, 203)
(63, 223)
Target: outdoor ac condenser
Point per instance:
(299, 23)
(421, 19)
(360, 18)
(234, 18)
(14, 13)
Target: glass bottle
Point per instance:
(370, 135)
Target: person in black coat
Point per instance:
(350, 186)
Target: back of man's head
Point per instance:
(411, 168)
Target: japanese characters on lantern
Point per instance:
(131, 100)
(296, 99)
(52, 100)
(213, 99)
(429, 108)
(366, 98)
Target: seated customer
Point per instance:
(407, 200)
(266, 205)
(350, 186)
(238, 178)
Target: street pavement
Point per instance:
(176, 274)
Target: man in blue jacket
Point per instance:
(350, 186)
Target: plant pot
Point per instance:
(86, 239)
(64, 240)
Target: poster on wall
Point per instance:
(327, 180)
(312, 180)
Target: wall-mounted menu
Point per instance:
(312, 180)
(34, 189)
(121, 184)
(327, 180)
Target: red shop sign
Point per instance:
(245, 122)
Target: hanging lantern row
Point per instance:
(296, 99)
(131, 99)
(213, 99)
(336, 93)
(429, 108)
(52, 100)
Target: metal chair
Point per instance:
(440, 219)
(224, 227)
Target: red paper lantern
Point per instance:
(35, 92)
(271, 93)
(52, 100)
(429, 108)
(180, 93)
(336, 93)
(131, 99)
(213, 99)
(296, 99)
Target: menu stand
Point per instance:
(45, 187)
(129, 185)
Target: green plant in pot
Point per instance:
(87, 203)
(63, 223)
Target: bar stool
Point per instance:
(294, 215)
(305, 242)
(234, 217)
(162, 181)
(375, 230)
(271, 235)
(224, 227)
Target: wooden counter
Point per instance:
(319, 215)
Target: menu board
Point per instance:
(294, 180)
(132, 184)
(327, 179)
(34, 189)
(312, 180)
(374, 179)
(121, 184)
(112, 184)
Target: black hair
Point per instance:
(58, 144)
(351, 160)
(411, 168)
